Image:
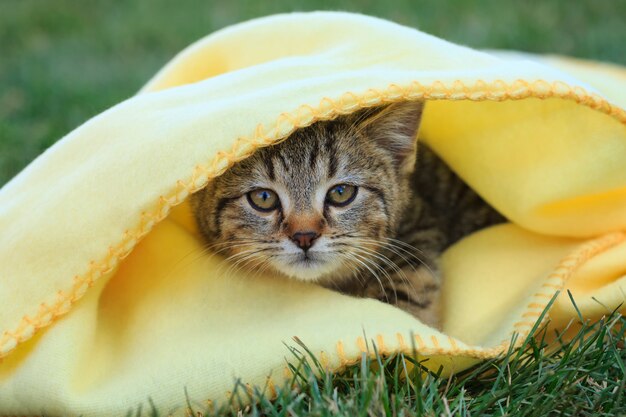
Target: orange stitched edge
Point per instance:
(401, 341)
(558, 278)
(284, 125)
(363, 348)
(271, 387)
(341, 354)
(380, 342)
(421, 346)
(324, 360)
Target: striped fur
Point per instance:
(385, 244)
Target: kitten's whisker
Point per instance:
(264, 266)
(235, 258)
(374, 274)
(245, 255)
(386, 261)
(356, 273)
(185, 261)
(346, 261)
(382, 245)
(400, 273)
(209, 249)
(360, 272)
(244, 264)
(420, 260)
(230, 244)
(417, 271)
(395, 242)
(390, 245)
(235, 267)
(399, 242)
(249, 263)
(192, 257)
(368, 261)
(396, 250)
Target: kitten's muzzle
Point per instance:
(304, 240)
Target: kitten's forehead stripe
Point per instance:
(329, 151)
(314, 154)
(283, 161)
(269, 166)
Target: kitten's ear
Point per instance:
(395, 128)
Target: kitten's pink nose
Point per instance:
(304, 240)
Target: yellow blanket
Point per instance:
(106, 300)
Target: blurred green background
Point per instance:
(64, 61)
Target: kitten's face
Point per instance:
(316, 206)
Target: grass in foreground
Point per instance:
(584, 376)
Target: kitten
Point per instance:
(349, 204)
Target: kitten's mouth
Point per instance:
(306, 266)
(307, 259)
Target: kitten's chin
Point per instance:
(307, 269)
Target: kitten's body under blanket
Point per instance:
(350, 204)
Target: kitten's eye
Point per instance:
(341, 195)
(263, 199)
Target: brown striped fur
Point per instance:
(385, 244)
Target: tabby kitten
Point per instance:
(349, 204)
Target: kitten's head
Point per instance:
(318, 205)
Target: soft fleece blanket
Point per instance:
(105, 299)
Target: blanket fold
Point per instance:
(107, 297)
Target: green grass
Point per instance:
(62, 62)
(582, 376)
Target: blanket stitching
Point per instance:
(285, 124)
